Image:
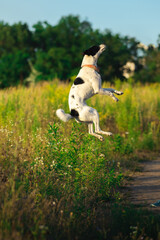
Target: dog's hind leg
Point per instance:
(90, 128)
(97, 127)
(98, 130)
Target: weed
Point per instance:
(57, 181)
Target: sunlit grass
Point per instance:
(53, 174)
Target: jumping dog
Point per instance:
(87, 84)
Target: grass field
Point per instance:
(57, 181)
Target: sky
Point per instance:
(133, 18)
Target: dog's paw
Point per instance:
(101, 138)
(118, 92)
(115, 99)
(109, 133)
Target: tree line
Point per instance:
(56, 52)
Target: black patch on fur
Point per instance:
(92, 51)
(78, 81)
(74, 113)
(72, 96)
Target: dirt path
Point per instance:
(145, 187)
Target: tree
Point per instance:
(16, 46)
(151, 69)
(57, 51)
(14, 69)
(15, 37)
(44, 36)
(119, 51)
(60, 48)
(54, 63)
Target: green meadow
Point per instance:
(57, 181)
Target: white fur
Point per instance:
(81, 92)
(63, 116)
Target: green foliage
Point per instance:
(56, 51)
(15, 37)
(16, 46)
(121, 146)
(13, 69)
(119, 51)
(59, 182)
(53, 62)
(78, 166)
(151, 71)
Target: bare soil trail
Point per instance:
(145, 187)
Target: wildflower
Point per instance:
(77, 169)
(71, 214)
(102, 155)
(42, 227)
(118, 164)
(41, 162)
(53, 164)
(134, 230)
(84, 188)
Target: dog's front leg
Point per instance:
(108, 92)
(114, 91)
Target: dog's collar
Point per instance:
(91, 66)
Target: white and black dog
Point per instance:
(87, 84)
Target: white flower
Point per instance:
(102, 155)
(53, 164)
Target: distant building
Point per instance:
(129, 69)
(143, 46)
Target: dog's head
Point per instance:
(95, 50)
(92, 54)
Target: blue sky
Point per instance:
(134, 18)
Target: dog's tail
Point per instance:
(62, 115)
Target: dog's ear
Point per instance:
(91, 51)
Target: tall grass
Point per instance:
(57, 182)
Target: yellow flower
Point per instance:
(77, 169)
